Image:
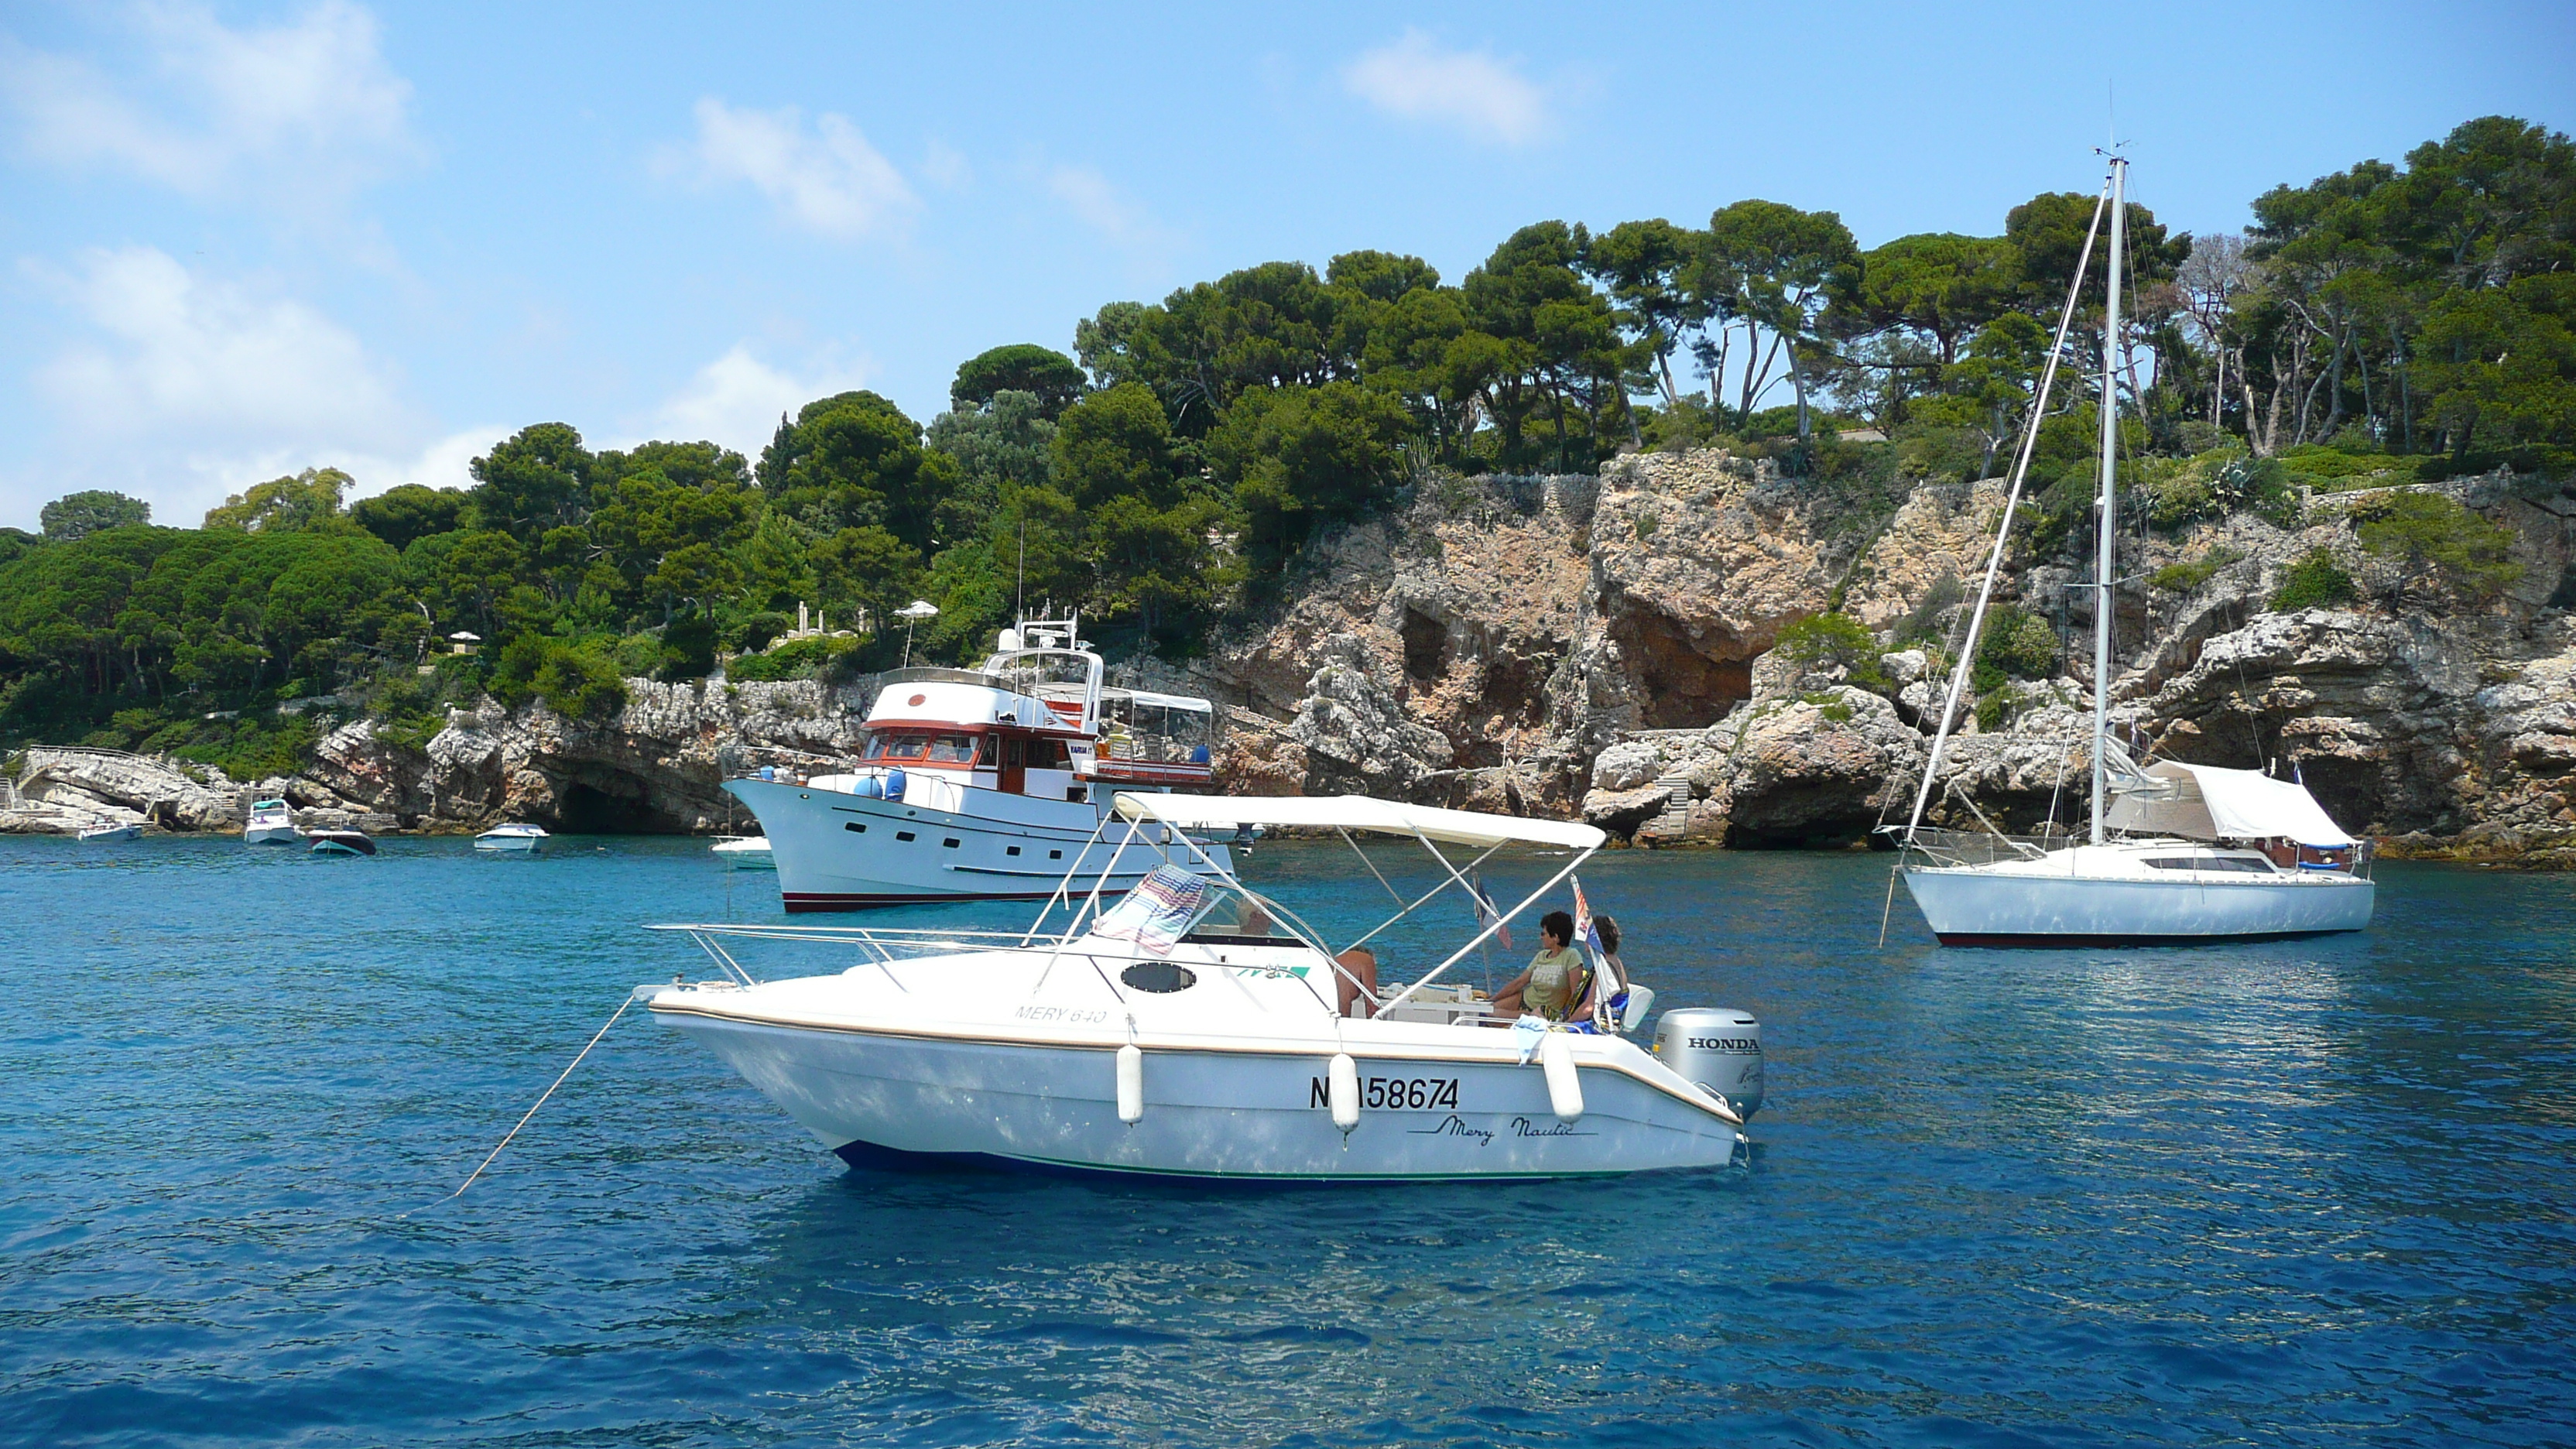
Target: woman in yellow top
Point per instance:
(1555, 981)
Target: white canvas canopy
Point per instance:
(1167, 701)
(1356, 812)
(2203, 802)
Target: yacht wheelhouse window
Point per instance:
(898, 746)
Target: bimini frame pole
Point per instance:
(2012, 502)
(1491, 927)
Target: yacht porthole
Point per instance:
(1159, 977)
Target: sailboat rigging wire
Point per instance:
(2012, 501)
(541, 1100)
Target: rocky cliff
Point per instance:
(655, 767)
(1604, 647)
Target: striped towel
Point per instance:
(1157, 911)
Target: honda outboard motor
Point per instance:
(1718, 1048)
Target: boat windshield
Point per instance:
(921, 746)
(1235, 919)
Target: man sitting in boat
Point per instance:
(1555, 982)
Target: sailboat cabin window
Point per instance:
(902, 746)
(2229, 864)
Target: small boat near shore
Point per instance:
(515, 838)
(272, 822)
(745, 852)
(1197, 1028)
(111, 832)
(341, 842)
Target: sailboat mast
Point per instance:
(2102, 574)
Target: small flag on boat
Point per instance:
(1157, 911)
(1583, 929)
(1486, 915)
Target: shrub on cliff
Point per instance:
(2314, 582)
(576, 681)
(1831, 639)
(2429, 535)
(795, 659)
(2182, 578)
(2018, 644)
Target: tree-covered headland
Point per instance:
(2415, 318)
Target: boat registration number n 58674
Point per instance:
(1389, 1094)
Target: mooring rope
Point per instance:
(541, 1101)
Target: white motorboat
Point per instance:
(744, 852)
(2204, 854)
(111, 831)
(518, 838)
(272, 822)
(980, 784)
(1197, 1028)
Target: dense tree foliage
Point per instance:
(1190, 450)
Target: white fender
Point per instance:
(1564, 1090)
(1342, 1090)
(1131, 1084)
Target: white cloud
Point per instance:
(946, 167)
(306, 110)
(1104, 208)
(187, 388)
(184, 354)
(1415, 78)
(446, 463)
(737, 399)
(827, 179)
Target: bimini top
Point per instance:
(1355, 812)
(2203, 802)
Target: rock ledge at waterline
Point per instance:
(1603, 648)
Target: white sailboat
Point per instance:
(2202, 854)
(1197, 1028)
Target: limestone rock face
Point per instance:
(1354, 731)
(1819, 768)
(1626, 765)
(64, 789)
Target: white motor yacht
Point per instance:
(744, 852)
(272, 822)
(981, 784)
(2176, 852)
(1199, 1029)
(110, 831)
(515, 838)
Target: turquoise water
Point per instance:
(2313, 1193)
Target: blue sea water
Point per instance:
(2321, 1192)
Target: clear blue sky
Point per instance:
(249, 239)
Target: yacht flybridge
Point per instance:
(981, 783)
(1198, 1028)
(2204, 854)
